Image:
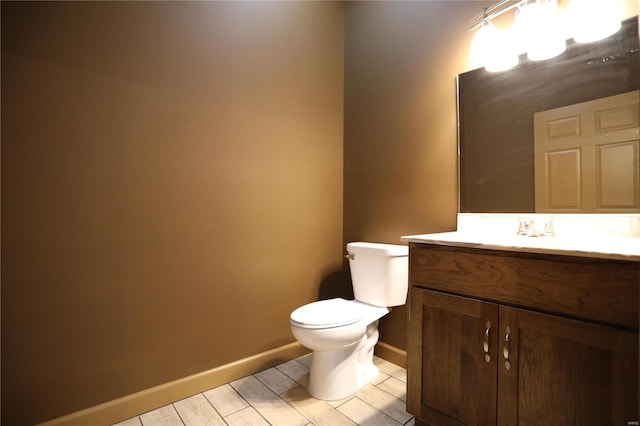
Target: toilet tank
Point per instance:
(379, 273)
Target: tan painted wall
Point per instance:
(401, 59)
(171, 190)
(165, 166)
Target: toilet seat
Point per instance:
(334, 313)
(329, 313)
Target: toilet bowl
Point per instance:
(342, 333)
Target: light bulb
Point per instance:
(594, 20)
(538, 27)
(492, 49)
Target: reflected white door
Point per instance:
(587, 156)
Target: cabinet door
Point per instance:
(556, 371)
(452, 359)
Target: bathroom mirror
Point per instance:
(495, 115)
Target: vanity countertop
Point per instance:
(620, 248)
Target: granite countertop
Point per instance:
(613, 247)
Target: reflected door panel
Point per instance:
(586, 156)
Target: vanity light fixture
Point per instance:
(539, 30)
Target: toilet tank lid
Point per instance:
(377, 249)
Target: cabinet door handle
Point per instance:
(505, 348)
(485, 343)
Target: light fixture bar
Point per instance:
(488, 9)
(495, 14)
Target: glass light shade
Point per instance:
(492, 49)
(539, 30)
(594, 20)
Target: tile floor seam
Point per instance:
(223, 417)
(269, 390)
(298, 411)
(178, 413)
(238, 410)
(212, 406)
(272, 390)
(380, 411)
(292, 378)
(385, 391)
(344, 401)
(260, 414)
(245, 408)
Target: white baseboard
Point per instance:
(140, 402)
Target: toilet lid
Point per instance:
(326, 313)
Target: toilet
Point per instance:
(342, 333)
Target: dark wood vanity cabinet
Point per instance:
(506, 338)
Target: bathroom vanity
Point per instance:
(507, 334)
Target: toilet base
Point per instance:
(338, 374)
(368, 374)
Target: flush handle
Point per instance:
(505, 348)
(350, 256)
(485, 343)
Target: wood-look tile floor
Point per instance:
(278, 397)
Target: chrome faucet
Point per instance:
(522, 227)
(528, 227)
